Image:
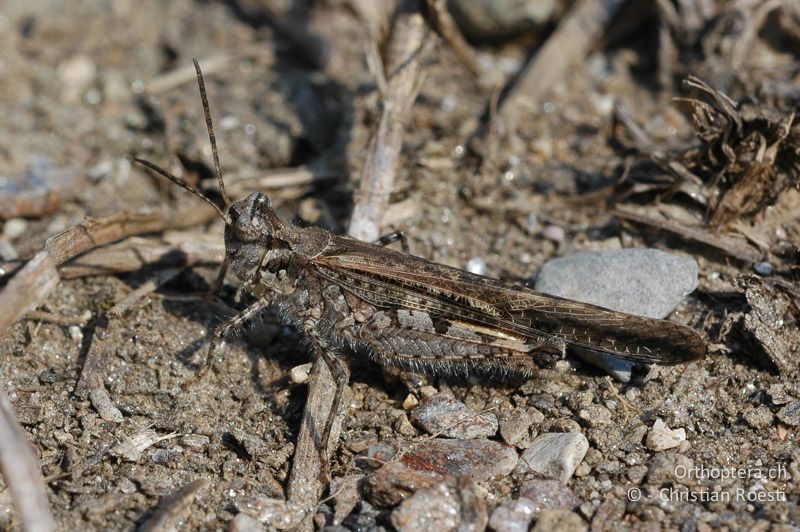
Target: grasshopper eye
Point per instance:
(249, 218)
(261, 201)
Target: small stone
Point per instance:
(582, 470)
(549, 495)
(76, 74)
(195, 441)
(645, 282)
(100, 170)
(763, 268)
(127, 486)
(515, 427)
(559, 520)
(299, 374)
(514, 516)
(7, 252)
(365, 518)
(663, 467)
(29, 411)
(428, 391)
(410, 401)
(790, 414)
(661, 437)
(479, 459)
(444, 415)
(395, 482)
(499, 19)
(595, 415)
(435, 508)
(622, 370)
(14, 228)
(165, 457)
(102, 403)
(779, 394)
(346, 496)
(476, 265)
(244, 523)
(758, 418)
(636, 473)
(75, 333)
(275, 513)
(554, 455)
(554, 233)
(404, 427)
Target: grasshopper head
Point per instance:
(252, 229)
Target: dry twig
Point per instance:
(27, 289)
(174, 249)
(401, 69)
(211, 65)
(96, 232)
(728, 245)
(573, 39)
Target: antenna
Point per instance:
(184, 185)
(201, 84)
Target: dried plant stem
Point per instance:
(402, 71)
(574, 38)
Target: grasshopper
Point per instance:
(407, 312)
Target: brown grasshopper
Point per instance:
(408, 312)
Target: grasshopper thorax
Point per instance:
(253, 230)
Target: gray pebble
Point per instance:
(595, 415)
(663, 467)
(102, 403)
(435, 508)
(346, 495)
(554, 233)
(554, 455)
(645, 282)
(515, 426)
(790, 414)
(636, 473)
(514, 516)
(444, 415)
(498, 19)
(245, 523)
(763, 268)
(621, 370)
(165, 457)
(549, 495)
(778, 394)
(758, 418)
(194, 441)
(273, 513)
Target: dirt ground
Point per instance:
(85, 84)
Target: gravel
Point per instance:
(554, 455)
